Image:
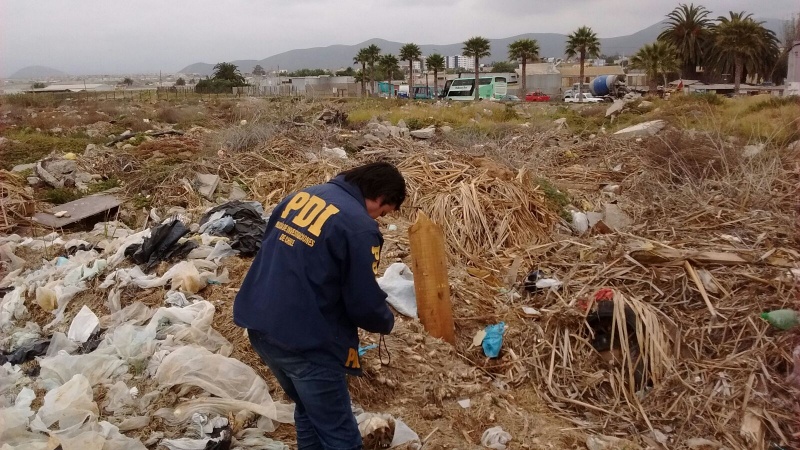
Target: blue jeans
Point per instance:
(323, 416)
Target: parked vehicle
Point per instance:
(424, 92)
(611, 86)
(537, 96)
(463, 89)
(587, 98)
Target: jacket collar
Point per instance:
(351, 189)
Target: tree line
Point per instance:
(690, 41)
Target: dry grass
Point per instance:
(16, 205)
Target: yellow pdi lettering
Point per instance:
(297, 202)
(352, 359)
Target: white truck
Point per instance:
(570, 97)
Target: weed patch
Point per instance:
(26, 147)
(58, 196)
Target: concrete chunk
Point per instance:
(615, 217)
(206, 184)
(643, 129)
(425, 133)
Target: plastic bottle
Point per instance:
(783, 319)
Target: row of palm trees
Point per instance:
(736, 41)
(690, 40)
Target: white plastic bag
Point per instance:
(495, 438)
(129, 342)
(83, 325)
(14, 420)
(69, 406)
(12, 306)
(95, 368)
(191, 325)
(398, 283)
(60, 342)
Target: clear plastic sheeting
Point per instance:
(136, 313)
(20, 337)
(14, 433)
(253, 438)
(9, 377)
(59, 342)
(12, 307)
(224, 406)
(191, 325)
(68, 406)
(95, 368)
(236, 384)
(183, 275)
(129, 342)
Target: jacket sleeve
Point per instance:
(364, 300)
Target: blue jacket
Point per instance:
(312, 284)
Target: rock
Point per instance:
(126, 133)
(61, 214)
(60, 166)
(206, 184)
(402, 123)
(394, 131)
(612, 188)
(643, 129)
(35, 182)
(752, 150)
(446, 129)
(371, 139)
(615, 107)
(425, 133)
(615, 217)
(404, 131)
(794, 146)
(594, 218)
(237, 193)
(23, 167)
(127, 146)
(336, 152)
(380, 131)
(645, 104)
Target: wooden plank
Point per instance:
(674, 257)
(431, 284)
(77, 210)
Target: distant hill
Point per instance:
(336, 56)
(36, 72)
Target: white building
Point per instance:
(460, 62)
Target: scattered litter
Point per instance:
(392, 227)
(335, 152)
(161, 245)
(782, 319)
(363, 350)
(480, 335)
(580, 222)
(495, 438)
(465, 403)
(531, 311)
(206, 184)
(493, 340)
(249, 225)
(398, 284)
(83, 325)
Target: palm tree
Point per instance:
(362, 58)
(524, 50)
(373, 53)
(742, 43)
(658, 58)
(583, 42)
(228, 71)
(437, 63)
(689, 31)
(477, 47)
(389, 64)
(410, 53)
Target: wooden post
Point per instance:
(431, 284)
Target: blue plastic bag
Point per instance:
(363, 350)
(493, 340)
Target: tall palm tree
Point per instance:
(742, 43)
(658, 58)
(689, 31)
(524, 50)
(373, 53)
(582, 42)
(436, 63)
(389, 64)
(362, 58)
(410, 52)
(477, 47)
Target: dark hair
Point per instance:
(378, 179)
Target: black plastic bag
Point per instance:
(161, 245)
(246, 235)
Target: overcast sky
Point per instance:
(127, 36)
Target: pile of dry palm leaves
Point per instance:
(16, 205)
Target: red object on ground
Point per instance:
(537, 96)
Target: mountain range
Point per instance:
(37, 72)
(335, 57)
